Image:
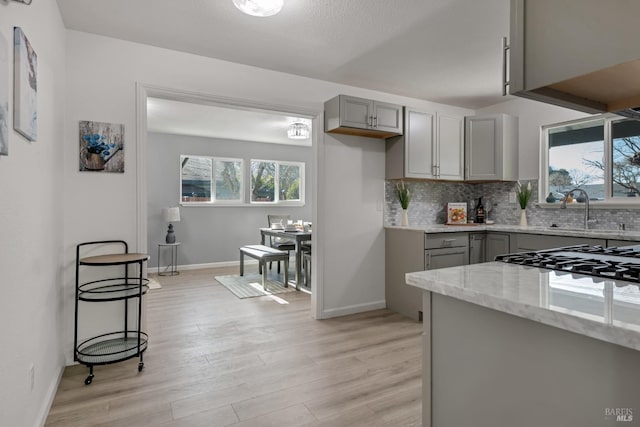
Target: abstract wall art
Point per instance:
(25, 86)
(101, 147)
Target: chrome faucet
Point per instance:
(587, 219)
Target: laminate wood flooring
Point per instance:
(216, 360)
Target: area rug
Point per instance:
(154, 284)
(250, 285)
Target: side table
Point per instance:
(172, 268)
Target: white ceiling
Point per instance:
(212, 121)
(446, 51)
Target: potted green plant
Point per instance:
(404, 196)
(523, 194)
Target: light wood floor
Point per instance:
(216, 360)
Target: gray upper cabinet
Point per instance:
(363, 117)
(580, 54)
(491, 148)
(432, 147)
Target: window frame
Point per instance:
(214, 201)
(277, 201)
(609, 201)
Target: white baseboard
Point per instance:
(51, 394)
(208, 265)
(353, 309)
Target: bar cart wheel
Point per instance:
(140, 366)
(89, 379)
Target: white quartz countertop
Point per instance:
(552, 231)
(607, 310)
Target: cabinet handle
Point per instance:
(370, 121)
(448, 242)
(505, 82)
(434, 170)
(375, 122)
(428, 260)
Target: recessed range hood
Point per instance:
(579, 54)
(615, 89)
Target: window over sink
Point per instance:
(600, 155)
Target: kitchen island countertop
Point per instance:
(607, 310)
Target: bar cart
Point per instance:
(115, 346)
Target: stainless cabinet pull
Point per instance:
(428, 260)
(505, 82)
(375, 122)
(370, 121)
(448, 242)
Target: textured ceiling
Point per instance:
(445, 51)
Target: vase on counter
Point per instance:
(405, 218)
(523, 217)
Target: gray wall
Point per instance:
(212, 233)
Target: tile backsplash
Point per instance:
(428, 200)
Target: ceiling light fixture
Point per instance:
(259, 7)
(27, 2)
(298, 130)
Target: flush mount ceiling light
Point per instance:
(23, 1)
(298, 130)
(259, 7)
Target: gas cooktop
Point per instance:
(620, 263)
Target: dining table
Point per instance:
(297, 236)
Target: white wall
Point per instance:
(531, 116)
(102, 73)
(31, 212)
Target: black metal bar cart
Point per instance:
(115, 346)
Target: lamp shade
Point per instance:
(171, 214)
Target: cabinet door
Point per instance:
(443, 258)
(356, 112)
(536, 242)
(477, 248)
(450, 148)
(496, 244)
(419, 150)
(482, 148)
(387, 117)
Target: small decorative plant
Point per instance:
(403, 194)
(523, 194)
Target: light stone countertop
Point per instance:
(552, 231)
(607, 310)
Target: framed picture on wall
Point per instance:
(101, 147)
(4, 96)
(25, 86)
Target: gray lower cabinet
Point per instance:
(477, 247)
(485, 246)
(404, 253)
(407, 251)
(496, 244)
(521, 242)
(621, 243)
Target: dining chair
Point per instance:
(281, 243)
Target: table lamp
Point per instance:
(171, 215)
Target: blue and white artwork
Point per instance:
(4, 96)
(101, 147)
(25, 86)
